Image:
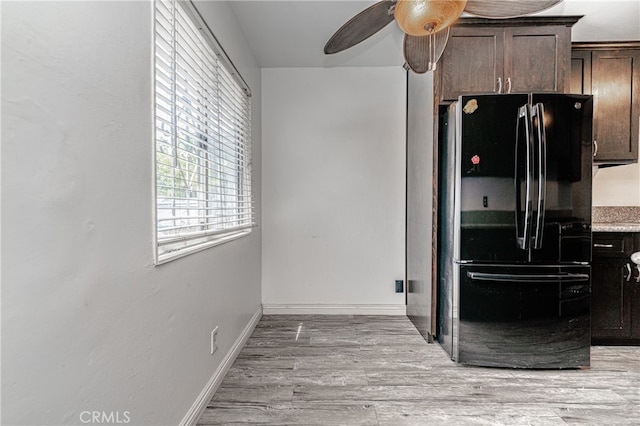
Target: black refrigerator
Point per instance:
(514, 233)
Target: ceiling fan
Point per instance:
(425, 24)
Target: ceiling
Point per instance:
(293, 33)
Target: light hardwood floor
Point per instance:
(377, 370)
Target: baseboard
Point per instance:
(200, 404)
(306, 309)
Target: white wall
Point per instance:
(617, 186)
(604, 20)
(333, 189)
(88, 323)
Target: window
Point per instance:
(202, 137)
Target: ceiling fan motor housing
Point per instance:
(424, 17)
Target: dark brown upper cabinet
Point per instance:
(530, 54)
(611, 73)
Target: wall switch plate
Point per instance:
(214, 340)
(399, 286)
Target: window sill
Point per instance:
(162, 258)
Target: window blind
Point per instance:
(202, 137)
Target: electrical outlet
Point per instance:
(399, 286)
(214, 340)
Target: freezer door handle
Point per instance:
(540, 133)
(530, 278)
(523, 227)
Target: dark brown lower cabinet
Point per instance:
(615, 290)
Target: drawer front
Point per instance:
(614, 244)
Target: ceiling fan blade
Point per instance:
(422, 53)
(507, 8)
(360, 27)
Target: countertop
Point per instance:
(616, 219)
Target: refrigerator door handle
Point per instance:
(524, 238)
(533, 278)
(540, 134)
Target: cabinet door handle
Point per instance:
(628, 277)
(507, 85)
(603, 245)
(595, 148)
(638, 277)
(499, 84)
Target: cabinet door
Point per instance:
(616, 87)
(537, 59)
(611, 300)
(635, 295)
(635, 303)
(580, 72)
(472, 63)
